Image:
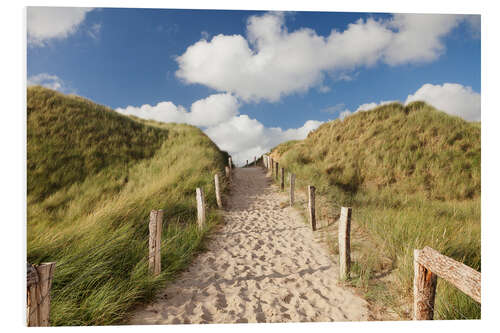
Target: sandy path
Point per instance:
(263, 265)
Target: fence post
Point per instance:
(292, 188)
(217, 191)
(312, 207)
(277, 170)
(345, 242)
(228, 173)
(200, 200)
(247, 163)
(255, 161)
(282, 179)
(230, 162)
(39, 283)
(155, 226)
(424, 290)
(271, 166)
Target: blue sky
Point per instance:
(256, 78)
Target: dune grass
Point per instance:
(93, 178)
(412, 175)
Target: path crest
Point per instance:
(262, 265)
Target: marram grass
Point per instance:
(413, 177)
(93, 177)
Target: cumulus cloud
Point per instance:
(418, 37)
(452, 98)
(218, 115)
(49, 81)
(244, 137)
(369, 106)
(205, 112)
(272, 62)
(46, 23)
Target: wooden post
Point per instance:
(230, 162)
(155, 226)
(345, 242)
(277, 170)
(217, 191)
(228, 173)
(255, 161)
(282, 179)
(424, 290)
(292, 188)
(312, 208)
(200, 200)
(465, 278)
(271, 165)
(247, 163)
(39, 284)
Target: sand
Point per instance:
(262, 265)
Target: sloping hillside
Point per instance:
(413, 177)
(93, 177)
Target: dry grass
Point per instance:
(412, 175)
(92, 220)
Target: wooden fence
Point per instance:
(39, 277)
(428, 263)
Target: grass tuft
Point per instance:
(413, 177)
(93, 177)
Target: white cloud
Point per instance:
(49, 81)
(452, 98)
(244, 137)
(213, 110)
(369, 106)
(272, 62)
(205, 112)
(240, 135)
(46, 23)
(418, 37)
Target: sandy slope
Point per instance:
(263, 265)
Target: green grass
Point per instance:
(412, 175)
(93, 177)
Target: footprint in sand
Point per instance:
(263, 265)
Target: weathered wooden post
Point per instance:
(282, 179)
(271, 165)
(39, 283)
(247, 163)
(424, 290)
(155, 226)
(228, 173)
(345, 242)
(277, 170)
(255, 161)
(217, 191)
(200, 200)
(312, 207)
(230, 162)
(292, 189)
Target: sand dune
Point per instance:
(263, 265)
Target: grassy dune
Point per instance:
(412, 175)
(93, 177)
